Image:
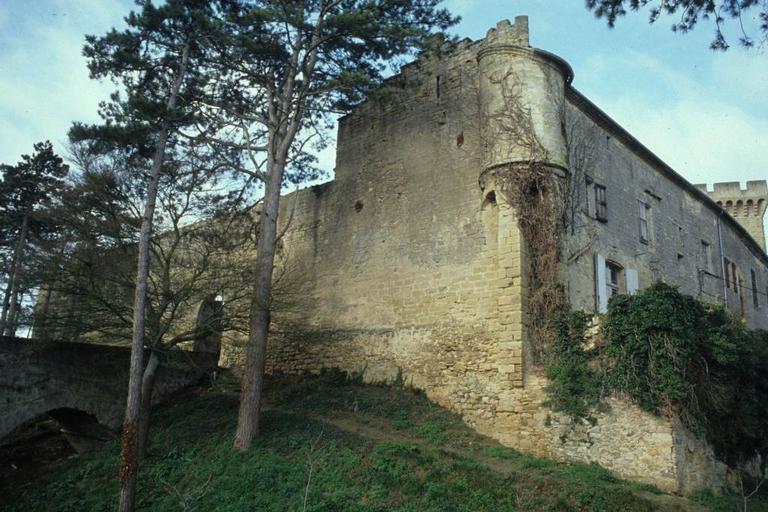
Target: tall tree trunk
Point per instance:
(13, 316)
(256, 350)
(12, 290)
(129, 454)
(285, 117)
(147, 386)
(6, 300)
(41, 325)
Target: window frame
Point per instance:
(755, 299)
(601, 205)
(706, 252)
(613, 288)
(645, 225)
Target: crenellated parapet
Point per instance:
(746, 205)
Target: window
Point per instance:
(755, 301)
(706, 256)
(739, 285)
(736, 280)
(644, 221)
(612, 279)
(601, 205)
(727, 276)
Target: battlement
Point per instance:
(755, 188)
(509, 33)
(746, 205)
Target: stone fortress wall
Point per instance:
(689, 236)
(409, 267)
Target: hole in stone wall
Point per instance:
(358, 206)
(490, 199)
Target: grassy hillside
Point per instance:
(333, 445)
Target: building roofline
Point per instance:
(605, 121)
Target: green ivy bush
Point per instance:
(575, 386)
(672, 355)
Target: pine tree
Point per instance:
(27, 193)
(157, 61)
(288, 67)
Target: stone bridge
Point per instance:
(82, 386)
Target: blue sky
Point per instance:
(704, 113)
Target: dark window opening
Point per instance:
(613, 279)
(601, 203)
(755, 300)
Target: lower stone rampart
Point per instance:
(459, 370)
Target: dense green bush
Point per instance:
(574, 386)
(671, 354)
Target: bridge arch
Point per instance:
(43, 376)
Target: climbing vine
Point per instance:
(530, 185)
(666, 351)
(671, 355)
(575, 387)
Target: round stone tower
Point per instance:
(522, 99)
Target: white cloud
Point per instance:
(705, 142)
(702, 133)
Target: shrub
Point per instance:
(674, 355)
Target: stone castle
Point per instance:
(410, 265)
(413, 267)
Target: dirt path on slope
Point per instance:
(381, 430)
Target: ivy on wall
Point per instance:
(672, 355)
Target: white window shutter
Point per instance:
(600, 291)
(633, 283)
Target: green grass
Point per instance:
(367, 448)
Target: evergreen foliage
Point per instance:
(30, 195)
(690, 12)
(574, 387)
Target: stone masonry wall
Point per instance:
(406, 268)
(403, 268)
(684, 246)
(459, 372)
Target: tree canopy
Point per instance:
(29, 193)
(690, 12)
(286, 67)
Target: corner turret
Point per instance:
(522, 99)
